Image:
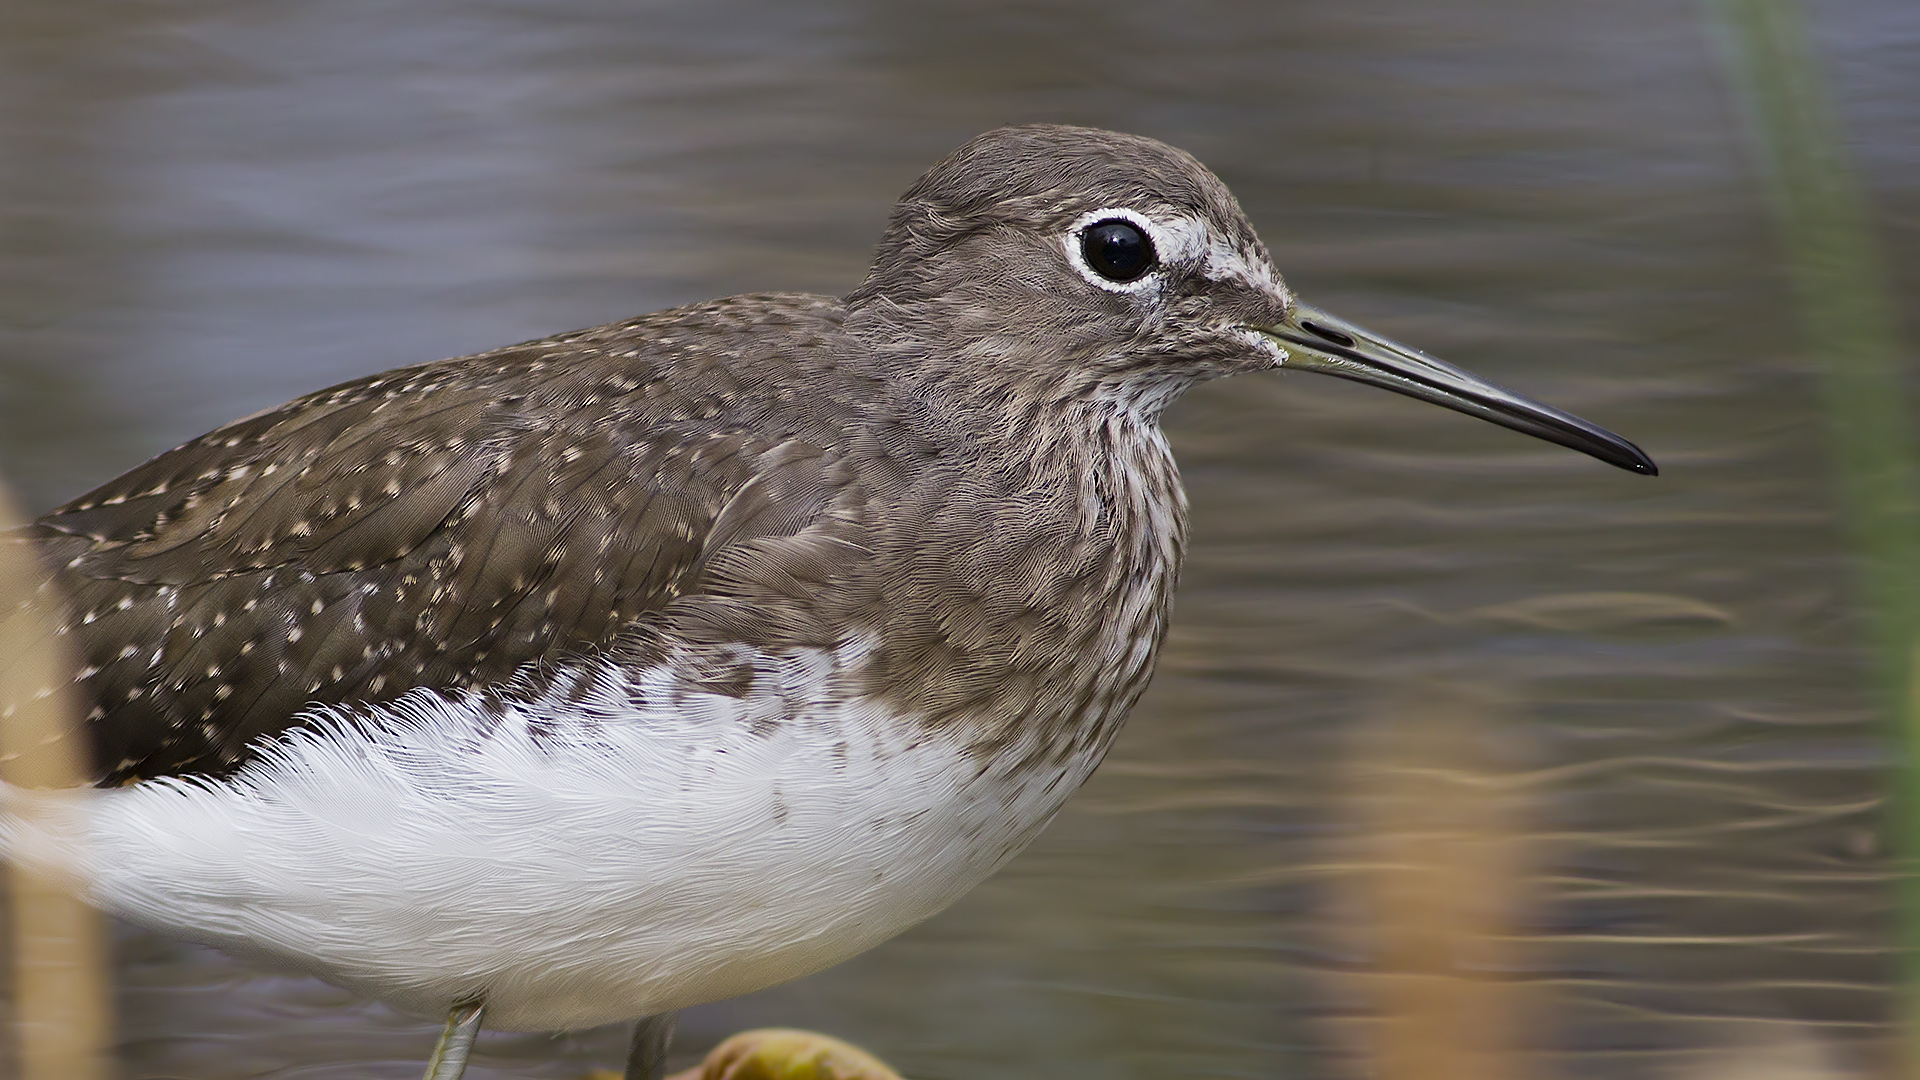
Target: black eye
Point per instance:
(1117, 249)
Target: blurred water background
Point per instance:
(1658, 694)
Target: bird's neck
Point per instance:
(1011, 368)
(1045, 636)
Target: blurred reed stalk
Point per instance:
(1437, 888)
(55, 943)
(1847, 314)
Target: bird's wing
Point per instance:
(435, 526)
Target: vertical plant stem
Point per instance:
(57, 944)
(1846, 312)
(1440, 879)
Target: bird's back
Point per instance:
(438, 526)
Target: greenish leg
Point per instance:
(648, 1058)
(450, 1054)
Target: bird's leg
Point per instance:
(648, 1058)
(450, 1054)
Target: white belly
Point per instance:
(573, 864)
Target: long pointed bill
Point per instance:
(1317, 341)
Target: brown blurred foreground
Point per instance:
(1446, 863)
(54, 945)
(1437, 887)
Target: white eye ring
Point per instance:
(1145, 283)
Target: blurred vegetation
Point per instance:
(55, 945)
(1846, 312)
(1439, 885)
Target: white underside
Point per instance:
(574, 863)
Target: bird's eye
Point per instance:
(1117, 249)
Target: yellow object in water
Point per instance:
(782, 1054)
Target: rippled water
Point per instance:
(208, 209)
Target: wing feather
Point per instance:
(437, 526)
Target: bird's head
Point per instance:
(1062, 263)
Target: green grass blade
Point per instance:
(1846, 312)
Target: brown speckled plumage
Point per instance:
(765, 469)
(435, 526)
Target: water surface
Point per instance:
(208, 209)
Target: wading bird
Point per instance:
(590, 678)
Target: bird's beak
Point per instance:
(1317, 341)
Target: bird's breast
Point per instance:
(1027, 621)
